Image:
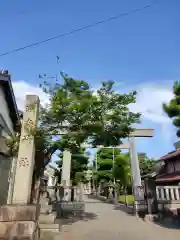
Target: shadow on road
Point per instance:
(99, 199)
(168, 223)
(126, 209)
(70, 219)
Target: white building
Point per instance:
(9, 117)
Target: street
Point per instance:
(104, 222)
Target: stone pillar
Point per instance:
(99, 190)
(20, 220)
(25, 162)
(89, 187)
(81, 192)
(136, 177)
(135, 164)
(66, 170)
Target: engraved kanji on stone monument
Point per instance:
(25, 162)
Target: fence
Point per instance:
(169, 193)
(168, 197)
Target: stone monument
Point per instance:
(20, 219)
(65, 178)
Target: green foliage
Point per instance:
(105, 171)
(146, 165)
(128, 199)
(122, 169)
(101, 117)
(79, 162)
(173, 108)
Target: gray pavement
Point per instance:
(104, 222)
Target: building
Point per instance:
(9, 117)
(170, 173)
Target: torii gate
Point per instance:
(136, 177)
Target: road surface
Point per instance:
(104, 222)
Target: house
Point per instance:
(9, 117)
(170, 173)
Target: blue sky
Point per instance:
(139, 51)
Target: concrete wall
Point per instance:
(4, 111)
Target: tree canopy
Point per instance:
(105, 169)
(100, 117)
(146, 164)
(79, 162)
(173, 107)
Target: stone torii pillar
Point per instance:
(136, 176)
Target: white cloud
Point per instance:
(21, 89)
(150, 99)
(149, 102)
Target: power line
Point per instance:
(80, 29)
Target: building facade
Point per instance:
(9, 117)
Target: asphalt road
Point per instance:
(104, 222)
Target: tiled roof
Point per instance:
(5, 82)
(171, 155)
(168, 177)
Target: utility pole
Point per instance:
(114, 166)
(96, 161)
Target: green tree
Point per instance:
(105, 171)
(100, 118)
(79, 162)
(145, 164)
(122, 169)
(173, 107)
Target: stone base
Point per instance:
(19, 230)
(47, 218)
(49, 227)
(19, 222)
(10, 213)
(151, 217)
(46, 209)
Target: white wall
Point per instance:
(4, 110)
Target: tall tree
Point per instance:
(122, 169)
(146, 164)
(79, 162)
(106, 171)
(100, 117)
(173, 107)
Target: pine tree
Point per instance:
(173, 108)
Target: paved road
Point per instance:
(105, 223)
